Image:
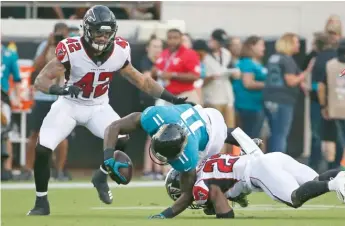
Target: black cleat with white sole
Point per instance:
(99, 181)
(41, 207)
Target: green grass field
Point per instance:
(132, 206)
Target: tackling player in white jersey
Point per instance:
(223, 177)
(88, 64)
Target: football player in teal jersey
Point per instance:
(182, 135)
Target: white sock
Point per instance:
(41, 194)
(103, 171)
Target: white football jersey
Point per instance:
(93, 78)
(224, 170)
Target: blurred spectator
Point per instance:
(77, 13)
(50, 13)
(187, 41)
(324, 47)
(312, 53)
(154, 48)
(6, 171)
(218, 40)
(217, 91)
(217, 44)
(141, 12)
(178, 67)
(248, 93)
(73, 31)
(45, 52)
(235, 46)
(334, 28)
(281, 90)
(332, 88)
(46, 49)
(9, 66)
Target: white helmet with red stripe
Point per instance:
(200, 192)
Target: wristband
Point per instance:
(168, 213)
(54, 89)
(108, 153)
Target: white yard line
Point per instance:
(78, 185)
(249, 208)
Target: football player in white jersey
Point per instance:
(223, 177)
(88, 64)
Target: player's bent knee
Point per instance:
(42, 149)
(47, 142)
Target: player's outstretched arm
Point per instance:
(148, 85)
(220, 202)
(122, 126)
(187, 180)
(51, 71)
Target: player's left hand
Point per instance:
(113, 167)
(157, 216)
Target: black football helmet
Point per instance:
(168, 142)
(99, 21)
(172, 184)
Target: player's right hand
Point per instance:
(113, 168)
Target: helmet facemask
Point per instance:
(93, 33)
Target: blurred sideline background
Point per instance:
(24, 25)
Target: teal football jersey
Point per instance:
(186, 116)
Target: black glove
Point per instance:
(167, 96)
(182, 100)
(74, 90)
(66, 90)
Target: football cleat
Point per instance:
(243, 202)
(339, 182)
(99, 181)
(41, 207)
(209, 210)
